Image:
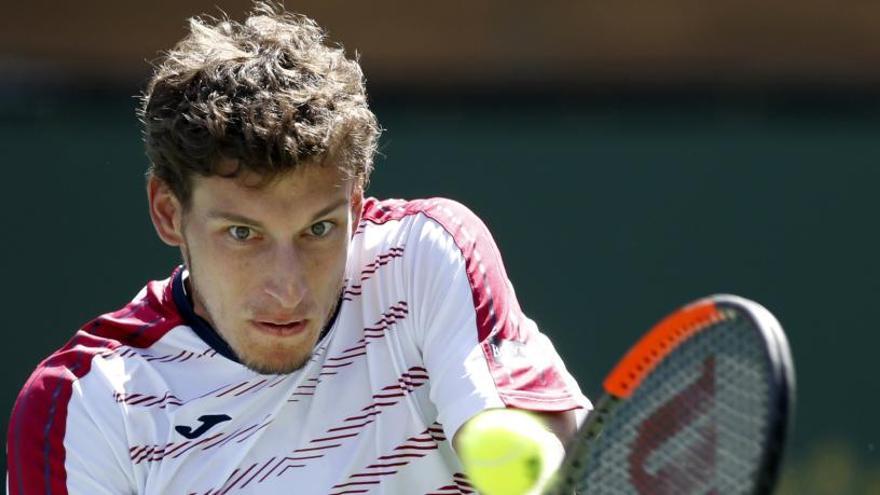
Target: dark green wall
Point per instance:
(608, 214)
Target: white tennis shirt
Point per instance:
(148, 400)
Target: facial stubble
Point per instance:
(259, 367)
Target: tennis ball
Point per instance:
(507, 452)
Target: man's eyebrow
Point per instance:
(331, 207)
(232, 217)
(236, 218)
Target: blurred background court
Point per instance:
(628, 157)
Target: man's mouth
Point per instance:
(281, 328)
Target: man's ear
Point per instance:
(166, 211)
(357, 205)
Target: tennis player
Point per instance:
(313, 340)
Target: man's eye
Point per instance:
(240, 232)
(321, 229)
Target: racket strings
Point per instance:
(694, 425)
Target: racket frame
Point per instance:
(663, 339)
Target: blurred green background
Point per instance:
(614, 199)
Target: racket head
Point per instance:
(701, 404)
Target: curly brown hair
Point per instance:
(267, 94)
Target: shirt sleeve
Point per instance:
(480, 350)
(59, 443)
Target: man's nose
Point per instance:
(286, 283)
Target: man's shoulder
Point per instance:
(424, 221)
(138, 324)
(144, 320)
(425, 244)
(39, 419)
(448, 216)
(380, 211)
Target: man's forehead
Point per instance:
(291, 197)
(303, 179)
(252, 176)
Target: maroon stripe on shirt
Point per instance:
(37, 426)
(402, 460)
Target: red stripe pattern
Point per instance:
(358, 350)
(143, 400)
(335, 436)
(413, 448)
(460, 485)
(127, 352)
(227, 390)
(383, 259)
(173, 450)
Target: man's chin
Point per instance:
(275, 355)
(274, 367)
(269, 359)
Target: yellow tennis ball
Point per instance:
(506, 451)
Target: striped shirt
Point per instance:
(428, 334)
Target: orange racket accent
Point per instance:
(656, 344)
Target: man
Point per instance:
(313, 341)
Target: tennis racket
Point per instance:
(699, 406)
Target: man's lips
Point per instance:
(281, 328)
